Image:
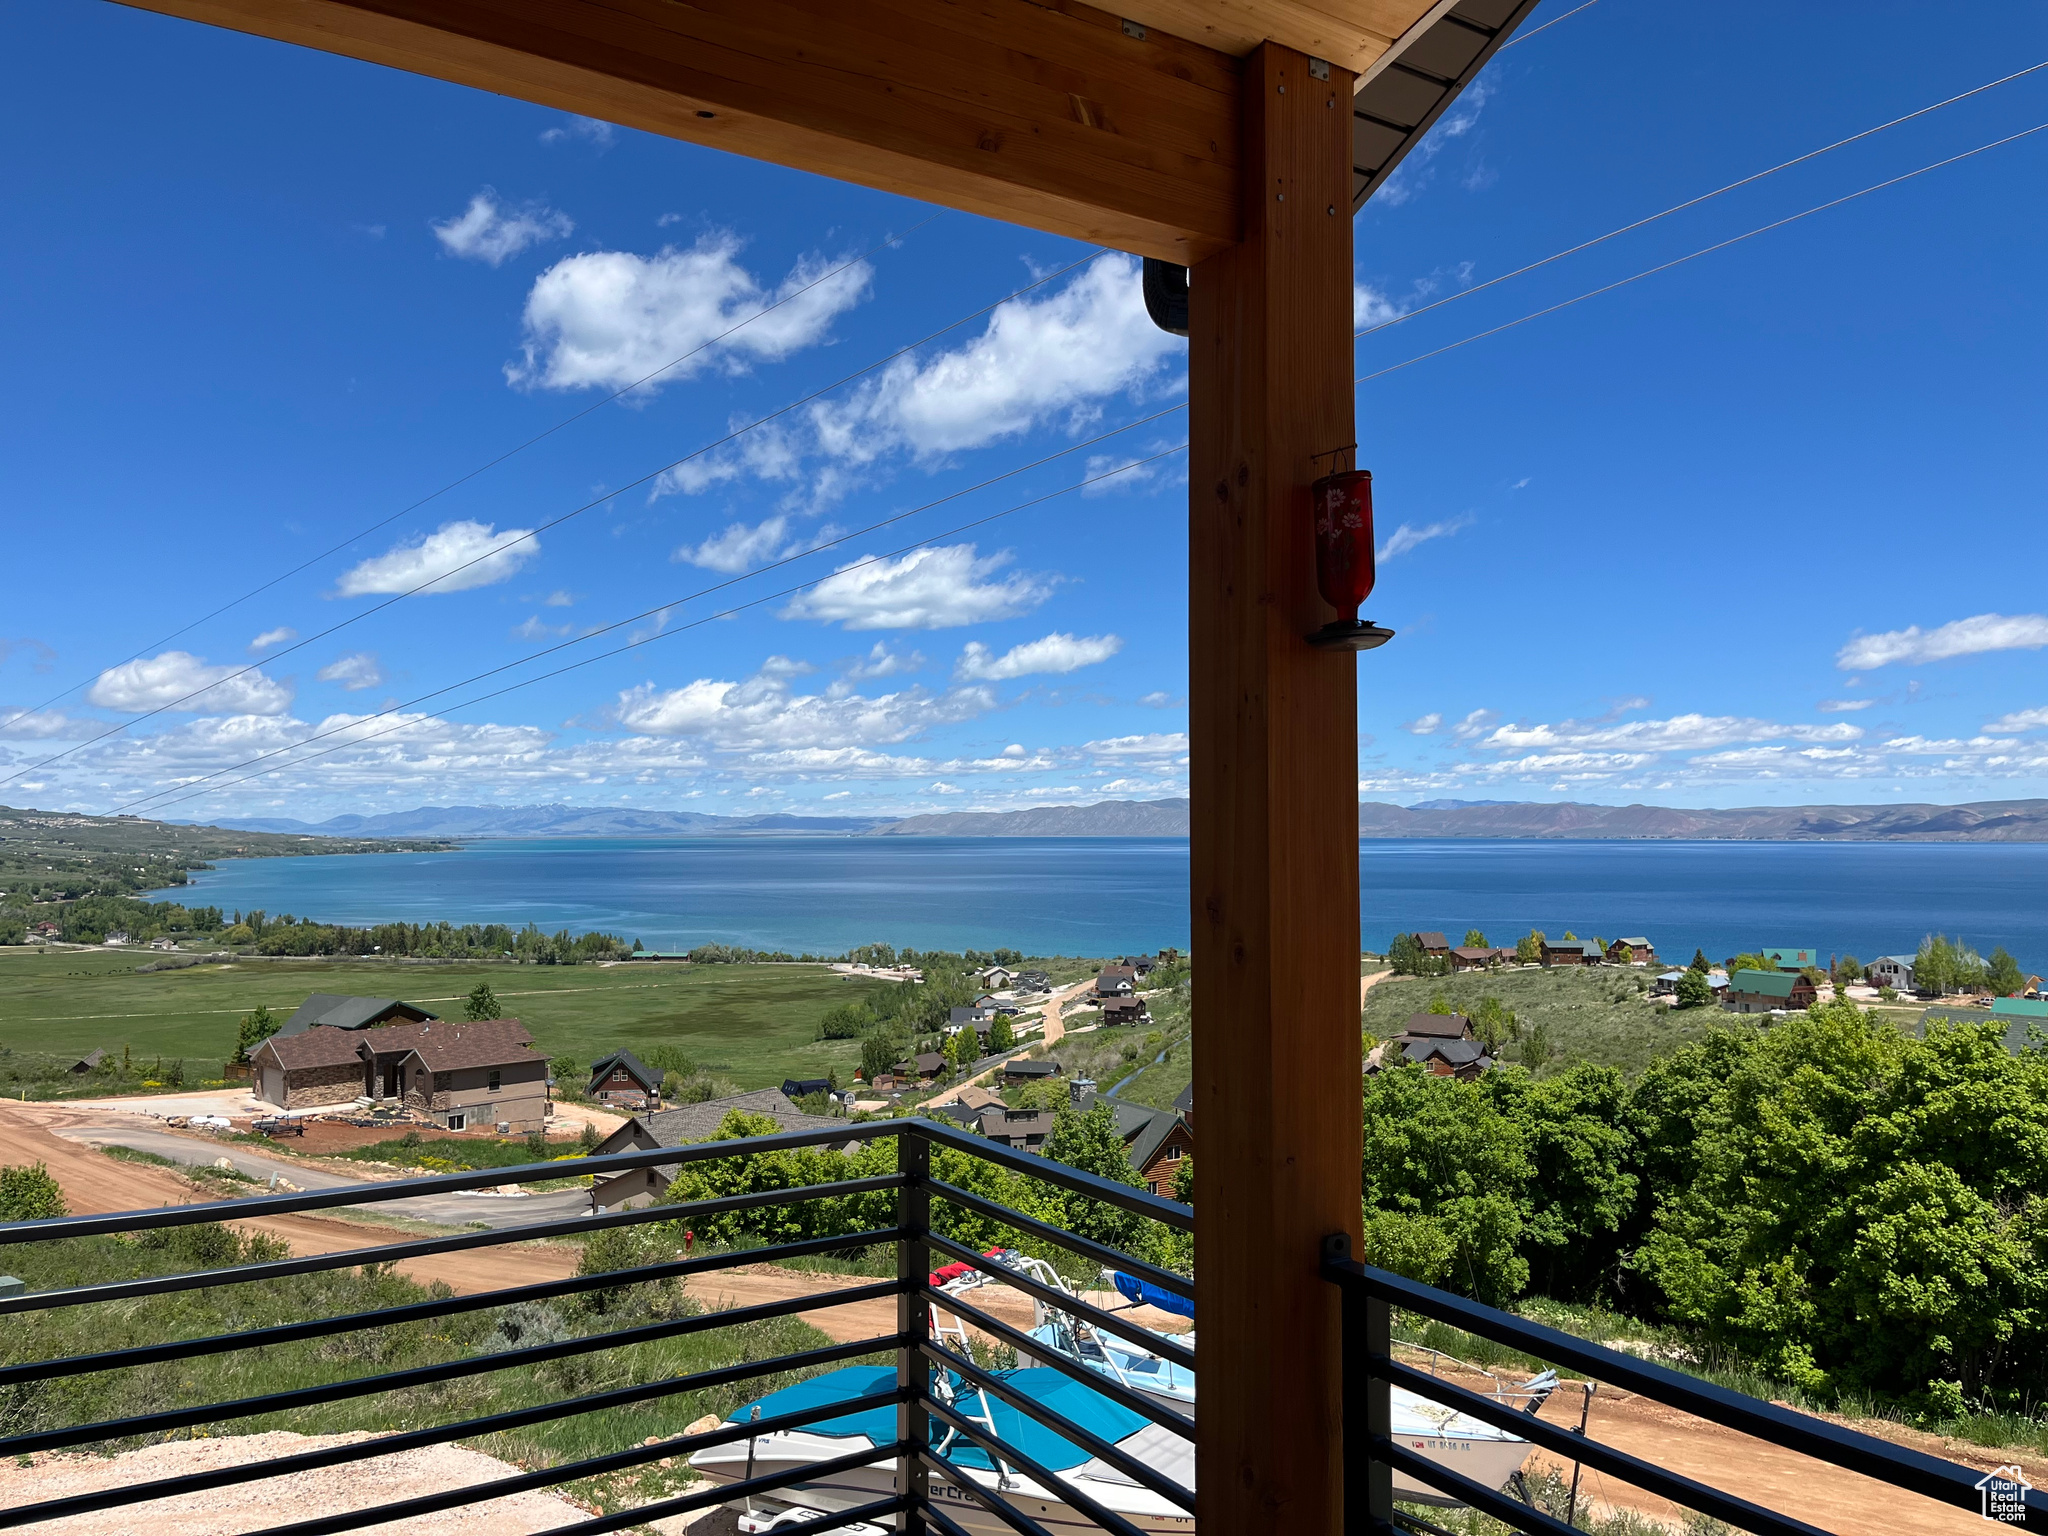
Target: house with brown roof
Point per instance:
(969, 1104)
(1436, 1026)
(466, 1074)
(1433, 944)
(1126, 1010)
(1476, 958)
(314, 1068)
(1571, 952)
(1155, 1140)
(1636, 951)
(1022, 1130)
(1116, 981)
(623, 1081)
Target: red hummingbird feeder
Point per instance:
(1345, 573)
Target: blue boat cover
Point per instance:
(1145, 1294)
(1053, 1389)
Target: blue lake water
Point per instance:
(1092, 896)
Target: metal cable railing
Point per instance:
(1373, 1453)
(915, 1479)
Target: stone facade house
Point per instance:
(315, 1067)
(465, 1074)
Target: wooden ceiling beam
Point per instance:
(1048, 113)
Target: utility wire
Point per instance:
(556, 522)
(1567, 16)
(710, 618)
(657, 610)
(566, 421)
(1586, 245)
(1720, 245)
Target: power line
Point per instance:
(1720, 245)
(710, 618)
(662, 608)
(1694, 202)
(556, 522)
(1567, 16)
(510, 453)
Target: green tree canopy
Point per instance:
(1699, 961)
(482, 1003)
(1694, 990)
(2004, 974)
(1529, 948)
(28, 1193)
(1474, 939)
(1001, 1037)
(257, 1026)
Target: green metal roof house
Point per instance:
(1790, 959)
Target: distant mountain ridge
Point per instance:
(545, 821)
(1985, 821)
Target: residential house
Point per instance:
(47, 930)
(679, 1126)
(1462, 1059)
(1894, 971)
(88, 1063)
(1436, 1026)
(1155, 1140)
(1433, 944)
(1471, 958)
(163, 943)
(1025, 1069)
(1637, 951)
(1791, 959)
(1184, 1102)
(1141, 966)
(315, 1067)
(462, 1073)
(996, 1004)
(924, 1064)
(968, 1105)
(1571, 952)
(1666, 983)
(1023, 1130)
(975, 1018)
(1126, 1010)
(997, 978)
(337, 1011)
(623, 1081)
(1767, 992)
(794, 1088)
(115, 940)
(1116, 981)
(1033, 981)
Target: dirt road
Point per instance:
(1367, 983)
(1055, 1027)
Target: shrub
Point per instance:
(28, 1193)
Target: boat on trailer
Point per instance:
(870, 1424)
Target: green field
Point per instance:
(754, 1024)
(1601, 1014)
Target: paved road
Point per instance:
(497, 1212)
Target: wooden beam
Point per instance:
(1048, 114)
(1274, 786)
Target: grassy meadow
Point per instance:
(754, 1024)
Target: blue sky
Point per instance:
(1763, 528)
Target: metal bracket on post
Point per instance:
(913, 1322)
(1368, 1334)
(1166, 295)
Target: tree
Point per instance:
(1699, 962)
(1089, 1141)
(28, 1193)
(1529, 949)
(1493, 1025)
(1756, 962)
(481, 1003)
(1694, 990)
(1001, 1037)
(1570, 937)
(1474, 939)
(257, 1026)
(1407, 957)
(965, 1049)
(1441, 1006)
(880, 1049)
(2003, 973)
(1535, 1047)
(1848, 969)
(847, 1021)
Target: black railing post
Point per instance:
(913, 1322)
(1368, 1335)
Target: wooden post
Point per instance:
(1274, 781)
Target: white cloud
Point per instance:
(840, 794)
(1963, 637)
(739, 547)
(883, 662)
(455, 557)
(168, 681)
(939, 588)
(17, 723)
(488, 230)
(534, 629)
(608, 319)
(1414, 172)
(558, 599)
(591, 130)
(270, 637)
(355, 672)
(943, 788)
(1407, 536)
(1158, 747)
(2019, 720)
(1424, 725)
(1159, 698)
(1055, 653)
(1370, 307)
(1843, 706)
(1122, 474)
(764, 712)
(1680, 733)
(1040, 358)
(1474, 725)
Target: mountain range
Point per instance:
(1986, 821)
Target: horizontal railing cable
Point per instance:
(1107, 1450)
(1898, 1465)
(430, 1504)
(1101, 1253)
(570, 420)
(1030, 1285)
(1137, 1201)
(1691, 202)
(188, 789)
(1572, 1446)
(490, 1424)
(554, 522)
(1107, 1386)
(1008, 1455)
(424, 1375)
(449, 1306)
(1489, 1501)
